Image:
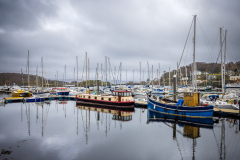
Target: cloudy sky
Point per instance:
(127, 31)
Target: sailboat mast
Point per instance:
(28, 69)
(37, 77)
(159, 75)
(221, 57)
(86, 72)
(186, 74)
(224, 71)
(42, 72)
(74, 77)
(57, 78)
(194, 68)
(77, 72)
(169, 78)
(140, 73)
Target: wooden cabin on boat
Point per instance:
(119, 98)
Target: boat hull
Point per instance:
(34, 99)
(195, 122)
(194, 112)
(102, 103)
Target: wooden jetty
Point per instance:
(229, 113)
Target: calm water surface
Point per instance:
(62, 130)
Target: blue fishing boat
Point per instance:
(187, 107)
(33, 99)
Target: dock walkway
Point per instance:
(217, 112)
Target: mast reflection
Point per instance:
(191, 126)
(101, 115)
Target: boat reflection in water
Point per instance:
(182, 121)
(103, 113)
(119, 115)
(191, 127)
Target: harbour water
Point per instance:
(62, 130)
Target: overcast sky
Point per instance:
(127, 31)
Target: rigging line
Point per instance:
(216, 140)
(215, 65)
(233, 62)
(212, 55)
(185, 45)
(205, 38)
(232, 47)
(187, 52)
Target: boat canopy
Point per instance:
(122, 93)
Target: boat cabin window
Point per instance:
(119, 94)
(83, 96)
(109, 99)
(95, 97)
(89, 97)
(114, 93)
(109, 111)
(102, 98)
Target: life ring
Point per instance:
(230, 121)
(230, 102)
(116, 98)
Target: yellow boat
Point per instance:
(21, 93)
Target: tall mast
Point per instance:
(109, 69)
(106, 69)
(126, 76)
(159, 75)
(101, 75)
(88, 75)
(42, 72)
(186, 74)
(120, 73)
(224, 71)
(169, 78)
(77, 72)
(65, 75)
(140, 73)
(74, 77)
(57, 78)
(22, 77)
(221, 58)
(86, 72)
(28, 69)
(194, 68)
(148, 72)
(37, 77)
(152, 77)
(133, 77)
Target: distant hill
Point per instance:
(208, 67)
(22, 79)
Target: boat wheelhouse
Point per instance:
(60, 91)
(119, 99)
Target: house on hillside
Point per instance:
(184, 78)
(234, 77)
(198, 73)
(212, 76)
(229, 72)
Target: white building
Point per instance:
(213, 76)
(234, 78)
